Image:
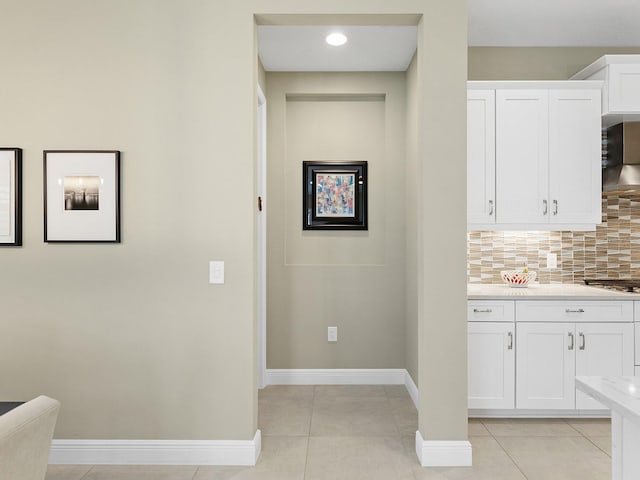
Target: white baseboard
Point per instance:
(412, 388)
(524, 413)
(156, 452)
(338, 376)
(443, 453)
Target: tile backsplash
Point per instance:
(611, 251)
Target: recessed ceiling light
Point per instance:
(336, 39)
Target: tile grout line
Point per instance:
(87, 473)
(565, 420)
(587, 438)
(306, 458)
(399, 433)
(597, 446)
(504, 450)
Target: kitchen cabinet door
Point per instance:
(603, 349)
(545, 365)
(481, 160)
(623, 87)
(491, 365)
(575, 177)
(522, 156)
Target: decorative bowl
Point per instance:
(517, 278)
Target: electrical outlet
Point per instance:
(552, 261)
(332, 334)
(216, 272)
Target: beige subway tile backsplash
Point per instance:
(611, 251)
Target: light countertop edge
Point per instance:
(536, 291)
(621, 394)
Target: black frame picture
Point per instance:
(334, 195)
(81, 196)
(10, 197)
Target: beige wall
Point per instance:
(411, 219)
(131, 337)
(534, 63)
(350, 279)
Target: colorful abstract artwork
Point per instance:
(335, 195)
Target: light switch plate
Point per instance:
(332, 334)
(216, 272)
(552, 260)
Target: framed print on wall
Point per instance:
(82, 196)
(10, 197)
(334, 196)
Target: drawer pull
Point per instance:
(574, 310)
(482, 310)
(571, 345)
(584, 342)
(510, 345)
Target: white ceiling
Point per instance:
(370, 48)
(550, 23)
(506, 23)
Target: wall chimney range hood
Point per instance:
(620, 75)
(621, 166)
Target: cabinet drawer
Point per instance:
(574, 311)
(490, 311)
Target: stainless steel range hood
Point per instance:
(621, 167)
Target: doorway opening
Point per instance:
(354, 87)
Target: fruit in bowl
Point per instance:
(517, 278)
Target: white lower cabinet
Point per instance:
(603, 349)
(545, 365)
(549, 355)
(525, 354)
(491, 365)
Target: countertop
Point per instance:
(617, 393)
(536, 291)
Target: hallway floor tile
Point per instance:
(366, 432)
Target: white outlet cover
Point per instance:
(552, 260)
(332, 334)
(216, 272)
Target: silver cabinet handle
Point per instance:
(482, 310)
(490, 207)
(545, 208)
(574, 310)
(572, 343)
(584, 342)
(510, 344)
(555, 207)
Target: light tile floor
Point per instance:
(367, 432)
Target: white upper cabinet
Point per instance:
(621, 91)
(624, 89)
(575, 176)
(481, 164)
(547, 156)
(522, 167)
